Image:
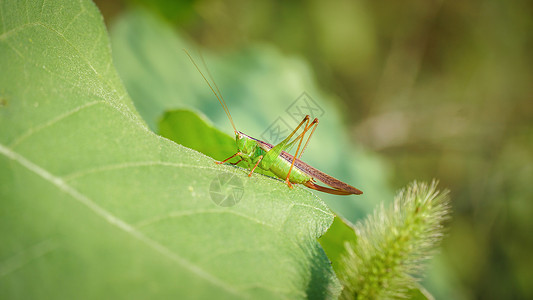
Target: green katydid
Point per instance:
(272, 158)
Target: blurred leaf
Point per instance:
(259, 85)
(419, 293)
(177, 11)
(95, 205)
(194, 131)
(333, 241)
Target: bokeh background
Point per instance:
(424, 89)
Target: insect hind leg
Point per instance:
(308, 126)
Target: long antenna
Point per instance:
(217, 92)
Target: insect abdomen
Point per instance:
(281, 167)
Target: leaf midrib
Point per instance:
(114, 220)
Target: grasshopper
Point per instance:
(275, 159)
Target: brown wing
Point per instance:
(339, 187)
(325, 178)
(310, 184)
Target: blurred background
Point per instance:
(422, 90)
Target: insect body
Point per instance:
(273, 158)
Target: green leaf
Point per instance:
(419, 293)
(334, 240)
(94, 204)
(193, 130)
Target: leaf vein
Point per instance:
(134, 164)
(312, 207)
(65, 29)
(187, 213)
(2, 17)
(27, 11)
(51, 122)
(120, 107)
(14, 30)
(24, 257)
(42, 9)
(113, 100)
(114, 220)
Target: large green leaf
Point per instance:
(94, 204)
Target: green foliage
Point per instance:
(95, 205)
(339, 233)
(194, 131)
(393, 243)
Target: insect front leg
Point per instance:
(236, 154)
(256, 164)
(235, 163)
